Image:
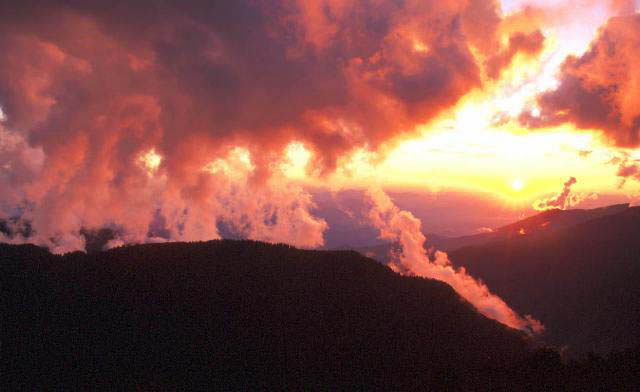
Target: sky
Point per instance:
(162, 119)
(468, 149)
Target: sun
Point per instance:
(517, 184)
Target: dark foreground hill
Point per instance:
(582, 281)
(247, 315)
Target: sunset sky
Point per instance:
(469, 148)
(174, 115)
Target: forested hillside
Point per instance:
(581, 281)
(241, 314)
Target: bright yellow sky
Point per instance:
(484, 160)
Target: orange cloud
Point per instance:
(628, 168)
(89, 89)
(599, 90)
(529, 44)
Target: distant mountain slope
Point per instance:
(544, 222)
(240, 314)
(556, 219)
(581, 280)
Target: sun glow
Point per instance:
(517, 184)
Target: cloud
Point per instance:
(526, 43)
(623, 7)
(402, 227)
(628, 168)
(599, 90)
(124, 110)
(584, 153)
(334, 75)
(565, 199)
(562, 200)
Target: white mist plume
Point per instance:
(562, 200)
(401, 226)
(565, 199)
(58, 205)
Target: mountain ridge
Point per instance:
(240, 313)
(577, 279)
